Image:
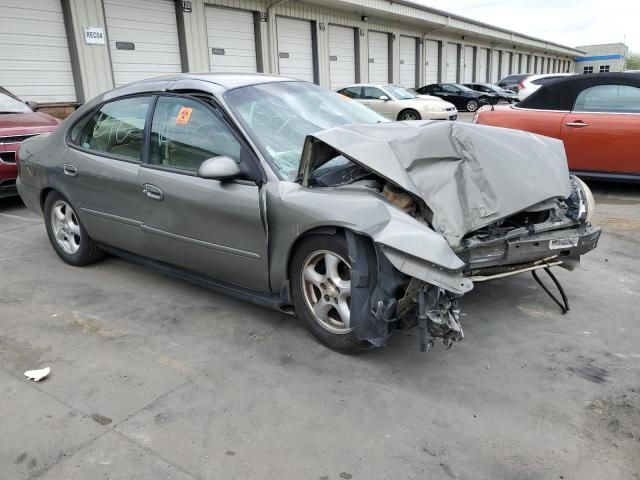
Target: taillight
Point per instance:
(520, 85)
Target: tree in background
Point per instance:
(632, 61)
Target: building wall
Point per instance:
(94, 73)
(611, 55)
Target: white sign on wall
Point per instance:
(93, 35)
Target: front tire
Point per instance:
(68, 237)
(409, 114)
(472, 105)
(320, 276)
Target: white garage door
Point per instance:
(295, 48)
(431, 58)
(35, 63)
(408, 61)
(483, 62)
(468, 64)
(143, 39)
(526, 68)
(495, 60)
(453, 62)
(342, 56)
(232, 40)
(378, 57)
(504, 63)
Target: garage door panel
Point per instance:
(468, 64)
(482, 65)
(342, 56)
(432, 67)
(408, 62)
(453, 62)
(231, 32)
(378, 57)
(295, 48)
(151, 26)
(34, 61)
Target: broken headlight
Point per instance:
(588, 200)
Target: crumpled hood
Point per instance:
(469, 175)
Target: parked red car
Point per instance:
(597, 116)
(18, 121)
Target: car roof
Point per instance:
(560, 94)
(227, 80)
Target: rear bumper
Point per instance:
(554, 245)
(30, 196)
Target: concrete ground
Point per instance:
(154, 378)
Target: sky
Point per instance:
(568, 22)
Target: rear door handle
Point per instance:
(70, 170)
(577, 123)
(152, 191)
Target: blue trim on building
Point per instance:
(596, 58)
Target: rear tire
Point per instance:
(68, 237)
(409, 114)
(320, 277)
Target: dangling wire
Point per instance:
(564, 305)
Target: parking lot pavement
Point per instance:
(466, 117)
(154, 378)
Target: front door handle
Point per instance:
(152, 191)
(70, 170)
(577, 123)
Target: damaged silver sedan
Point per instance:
(299, 199)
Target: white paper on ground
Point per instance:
(37, 375)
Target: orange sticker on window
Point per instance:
(184, 115)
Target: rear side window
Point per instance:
(351, 92)
(609, 98)
(185, 133)
(116, 129)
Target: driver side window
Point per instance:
(449, 89)
(184, 133)
(371, 93)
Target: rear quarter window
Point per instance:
(609, 98)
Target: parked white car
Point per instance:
(397, 103)
(534, 82)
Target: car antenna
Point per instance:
(493, 104)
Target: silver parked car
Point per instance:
(297, 198)
(397, 103)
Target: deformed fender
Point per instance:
(294, 210)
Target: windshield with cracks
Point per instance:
(279, 116)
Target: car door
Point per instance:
(101, 168)
(453, 95)
(215, 228)
(371, 98)
(602, 132)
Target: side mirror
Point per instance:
(219, 168)
(384, 98)
(35, 106)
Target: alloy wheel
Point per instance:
(409, 116)
(326, 284)
(65, 227)
(472, 105)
